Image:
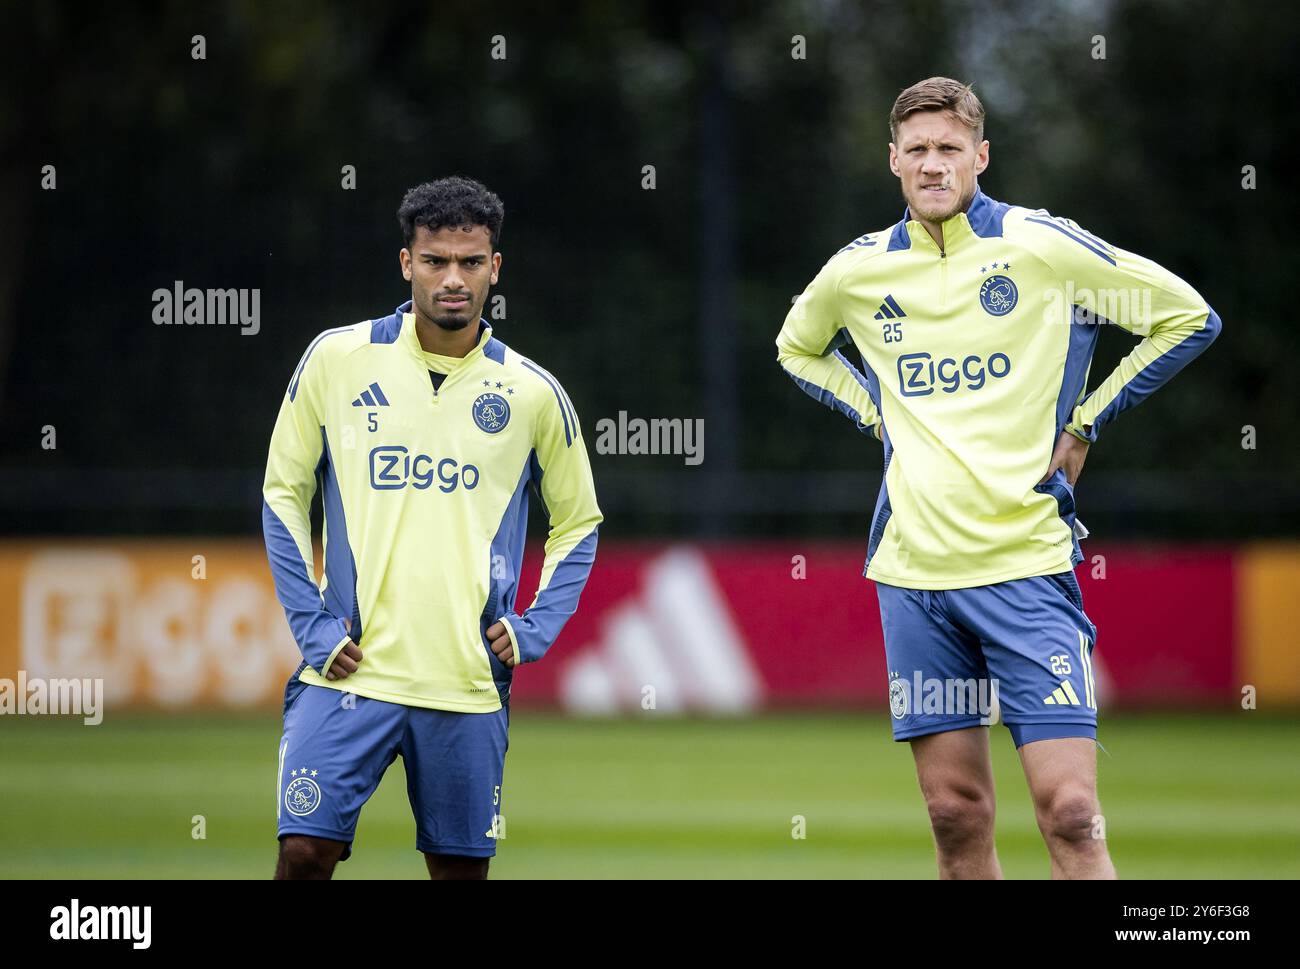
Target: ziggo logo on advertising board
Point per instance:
(158, 623)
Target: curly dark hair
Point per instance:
(450, 201)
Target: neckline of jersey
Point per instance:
(956, 228)
(411, 339)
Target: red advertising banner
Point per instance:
(808, 628)
(692, 628)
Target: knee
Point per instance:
(1071, 815)
(960, 818)
(456, 867)
(306, 858)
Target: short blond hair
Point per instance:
(939, 94)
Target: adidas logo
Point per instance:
(890, 309)
(1063, 696)
(372, 396)
(673, 646)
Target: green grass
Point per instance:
(1185, 796)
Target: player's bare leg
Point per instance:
(304, 858)
(1062, 776)
(956, 776)
(456, 867)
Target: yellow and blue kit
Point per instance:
(426, 501)
(425, 491)
(976, 357)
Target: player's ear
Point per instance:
(893, 160)
(981, 157)
(404, 257)
(496, 268)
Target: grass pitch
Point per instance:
(1185, 796)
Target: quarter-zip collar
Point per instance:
(982, 218)
(409, 337)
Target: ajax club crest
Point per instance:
(898, 698)
(302, 796)
(491, 412)
(998, 295)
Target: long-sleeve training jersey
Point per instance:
(976, 359)
(425, 494)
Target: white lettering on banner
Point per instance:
(71, 612)
(165, 620)
(167, 641)
(239, 609)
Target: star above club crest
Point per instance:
(313, 773)
(487, 383)
(293, 773)
(498, 385)
(510, 390)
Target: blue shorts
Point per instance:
(1021, 650)
(336, 747)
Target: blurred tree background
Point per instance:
(226, 172)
